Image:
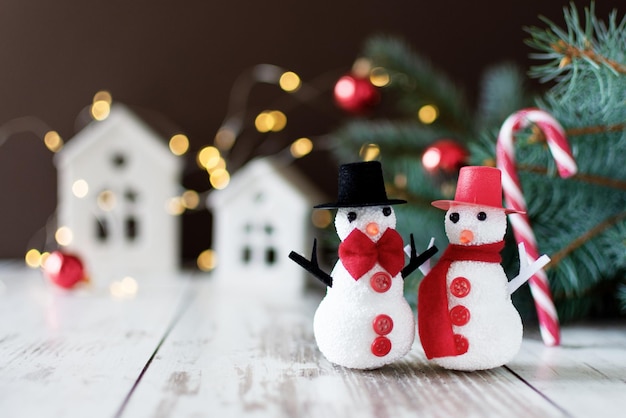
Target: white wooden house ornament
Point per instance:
(114, 180)
(263, 214)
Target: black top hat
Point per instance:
(361, 184)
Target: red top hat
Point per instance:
(477, 186)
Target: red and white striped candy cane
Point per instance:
(511, 186)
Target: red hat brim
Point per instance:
(446, 204)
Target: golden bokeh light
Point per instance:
(427, 114)
(369, 152)
(208, 157)
(301, 147)
(103, 96)
(207, 260)
(80, 188)
(100, 110)
(53, 141)
(379, 77)
(174, 206)
(190, 199)
(106, 200)
(361, 67)
(179, 144)
(290, 82)
(219, 178)
(33, 258)
(270, 120)
(321, 218)
(64, 236)
(225, 138)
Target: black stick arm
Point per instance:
(417, 260)
(312, 266)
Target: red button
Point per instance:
(383, 324)
(460, 287)
(459, 315)
(381, 346)
(380, 282)
(461, 343)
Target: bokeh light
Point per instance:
(80, 188)
(53, 141)
(207, 260)
(301, 147)
(428, 114)
(179, 144)
(290, 82)
(64, 236)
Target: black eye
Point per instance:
(351, 216)
(387, 211)
(454, 217)
(481, 216)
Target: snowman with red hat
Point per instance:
(364, 321)
(466, 320)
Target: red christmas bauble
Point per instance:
(445, 155)
(355, 94)
(64, 270)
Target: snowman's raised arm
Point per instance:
(417, 260)
(527, 268)
(312, 266)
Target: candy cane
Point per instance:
(566, 166)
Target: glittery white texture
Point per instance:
(494, 331)
(343, 321)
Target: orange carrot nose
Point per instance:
(466, 237)
(372, 229)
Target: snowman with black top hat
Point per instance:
(364, 321)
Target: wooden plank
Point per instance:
(586, 375)
(76, 354)
(238, 354)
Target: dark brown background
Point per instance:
(175, 62)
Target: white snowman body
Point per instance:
(364, 323)
(488, 320)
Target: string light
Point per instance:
(208, 157)
(427, 114)
(379, 77)
(321, 218)
(270, 120)
(33, 258)
(219, 178)
(289, 82)
(190, 199)
(179, 144)
(301, 147)
(101, 106)
(80, 188)
(53, 141)
(174, 206)
(369, 152)
(64, 236)
(207, 260)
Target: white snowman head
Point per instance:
(373, 221)
(475, 225)
(476, 215)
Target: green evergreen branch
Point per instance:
(571, 52)
(557, 257)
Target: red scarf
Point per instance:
(358, 253)
(434, 324)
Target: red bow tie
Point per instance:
(358, 253)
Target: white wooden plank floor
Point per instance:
(184, 348)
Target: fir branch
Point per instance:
(595, 129)
(571, 52)
(586, 178)
(557, 257)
